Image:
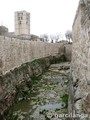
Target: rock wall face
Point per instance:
(14, 52)
(81, 58)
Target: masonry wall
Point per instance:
(14, 52)
(81, 58)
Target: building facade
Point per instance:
(22, 23)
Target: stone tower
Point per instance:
(22, 23)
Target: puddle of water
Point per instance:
(52, 106)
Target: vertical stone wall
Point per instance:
(68, 51)
(14, 52)
(81, 58)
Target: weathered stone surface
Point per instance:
(77, 93)
(80, 66)
(1, 67)
(78, 107)
(86, 104)
(88, 78)
(68, 51)
(45, 96)
(20, 79)
(15, 51)
(62, 66)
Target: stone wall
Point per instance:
(14, 52)
(68, 51)
(17, 66)
(81, 58)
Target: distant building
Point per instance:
(3, 30)
(22, 23)
(22, 27)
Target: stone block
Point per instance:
(88, 77)
(86, 104)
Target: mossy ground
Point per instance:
(30, 94)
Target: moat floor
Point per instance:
(48, 98)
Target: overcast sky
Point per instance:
(47, 16)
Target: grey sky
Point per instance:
(47, 16)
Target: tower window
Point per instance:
(18, 18)
(21, 17)
(19, 22)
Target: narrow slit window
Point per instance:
(19, 22)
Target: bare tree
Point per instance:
(68, 35)
(52, 37)
(41, 38)
(44, 37)
(56, 38)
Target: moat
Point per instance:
(48, 97)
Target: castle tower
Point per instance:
(22, 23)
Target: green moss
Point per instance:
(57, 110)
(12, 116)
(59, 59)
(65, 100)
(35, 79)
(43, 112)
(46, 118)
(39, 103)
(41, 62)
